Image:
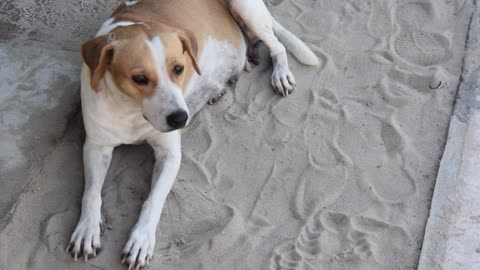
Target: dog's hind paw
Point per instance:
(283, 80)
(217, 97)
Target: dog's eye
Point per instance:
(177, 70)
(140, 79)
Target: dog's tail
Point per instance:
(294, 45)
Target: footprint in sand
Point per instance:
(332, 240)
(423, 48)
(379, 151)
(388, 241)
(192, 223)
(415, 43)
(54, 231)
(318, 188)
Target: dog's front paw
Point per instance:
(139, 248)
(283, 81)
(85, 239)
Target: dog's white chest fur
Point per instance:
(110, 117)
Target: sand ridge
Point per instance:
(338, 175)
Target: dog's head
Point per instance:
(151, 65)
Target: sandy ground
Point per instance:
(337, 176)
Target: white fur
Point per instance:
(168, 96)
(109, 25)
(219, 61)
(139, 248)
(111, 118)
(131, 2)
(87, 233)
(294, 45)
(167, 148)
(255, 16)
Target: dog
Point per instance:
(149, 69)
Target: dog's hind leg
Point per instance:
(253, 56)
(253, 51)
(255, 20)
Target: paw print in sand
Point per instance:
(332, 240)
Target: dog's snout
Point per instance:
(177, 119)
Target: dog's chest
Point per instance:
(113, 127)
(112, 119)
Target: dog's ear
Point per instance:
(190, 45)
(97, 54)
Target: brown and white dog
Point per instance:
(149, 69)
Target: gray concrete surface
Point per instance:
(39, 82)
(57, 24)
(452, 236)
(39, 91)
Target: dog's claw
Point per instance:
(85, 241)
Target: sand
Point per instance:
(338, 175)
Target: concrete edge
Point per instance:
(452, 235)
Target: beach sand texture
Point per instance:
(339, 175)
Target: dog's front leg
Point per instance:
(139, 249)
(86, 237)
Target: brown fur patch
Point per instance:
(203, 18)
(183, 26)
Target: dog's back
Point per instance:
(205, 18)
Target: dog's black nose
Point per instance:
(177, 119)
